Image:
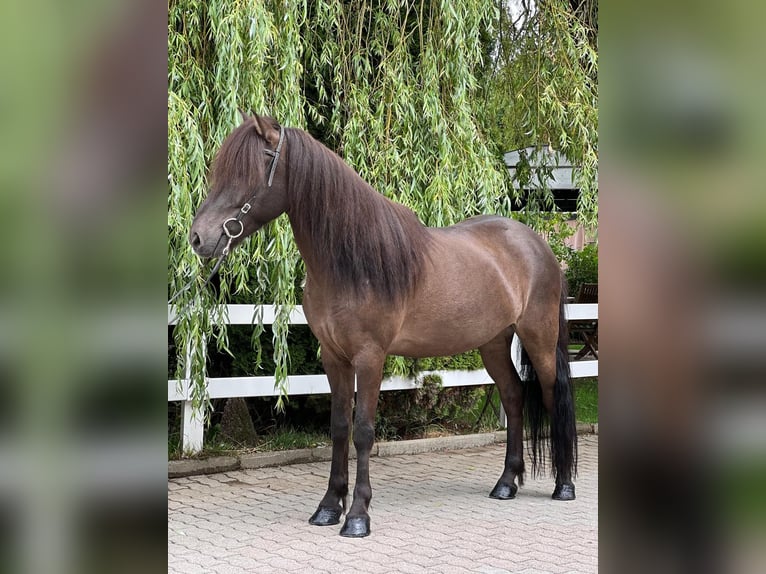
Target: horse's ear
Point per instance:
(267, 128)
(243, 115)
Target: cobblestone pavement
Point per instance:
(430, 513)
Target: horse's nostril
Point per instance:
(196, 240)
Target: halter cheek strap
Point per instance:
(275, 155)
(232, 235)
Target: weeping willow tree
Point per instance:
(541, 92)
(397, 87)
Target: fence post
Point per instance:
(192, 423)
(502, 417)
(192, 428)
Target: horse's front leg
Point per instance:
(340, 374)
(369, 373)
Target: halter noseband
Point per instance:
(247, 206)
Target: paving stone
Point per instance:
(430, 513)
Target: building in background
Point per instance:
(549, 169)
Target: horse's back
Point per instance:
(491, 225)
(480, 277)
(506, 242)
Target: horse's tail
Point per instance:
(558, 436)
(564, 425)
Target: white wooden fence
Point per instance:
(192, 427)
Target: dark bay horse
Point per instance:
(378, 282)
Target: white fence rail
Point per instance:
(192, 427)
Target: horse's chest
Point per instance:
(344, 327)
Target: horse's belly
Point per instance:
(420, 349)
(437, 337)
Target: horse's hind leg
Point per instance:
(340, 374)
(496, 356)
(545, 346)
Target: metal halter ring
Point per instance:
(226, 229)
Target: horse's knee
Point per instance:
(339, 429)
(364, 436)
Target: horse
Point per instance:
(379, 282)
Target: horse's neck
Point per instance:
(354, 188)
(339, 227)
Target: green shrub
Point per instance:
(410, 414)
(582, 267)
(469, 361)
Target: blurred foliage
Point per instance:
(744, 502)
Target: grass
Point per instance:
(586, 403)
(586, 400)
(282, 439)
(287, 439)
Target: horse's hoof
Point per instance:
(326, 516)
(564, 492)
(504, 491)
(356, 527)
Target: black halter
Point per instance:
(246, 207)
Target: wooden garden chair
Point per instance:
(585, 330)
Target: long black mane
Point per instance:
(364, 241)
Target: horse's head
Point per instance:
(247, 187)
